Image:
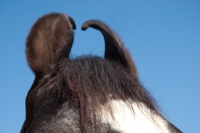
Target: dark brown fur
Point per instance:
(50, 39)
(67, 94)
(49, 35)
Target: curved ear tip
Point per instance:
(84, 26)
(72, 22)
(74, 27)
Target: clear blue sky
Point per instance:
(163, 38)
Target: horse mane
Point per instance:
(73, 81)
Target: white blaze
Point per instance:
(139, 121)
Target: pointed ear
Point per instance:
(50, 39)
(114, 48)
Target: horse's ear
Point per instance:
(71, 20)
(49, 40)
(114, 48)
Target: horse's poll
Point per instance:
(87, 94)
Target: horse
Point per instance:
(85, 94)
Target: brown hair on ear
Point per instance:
(114, 48)
(49, 40)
